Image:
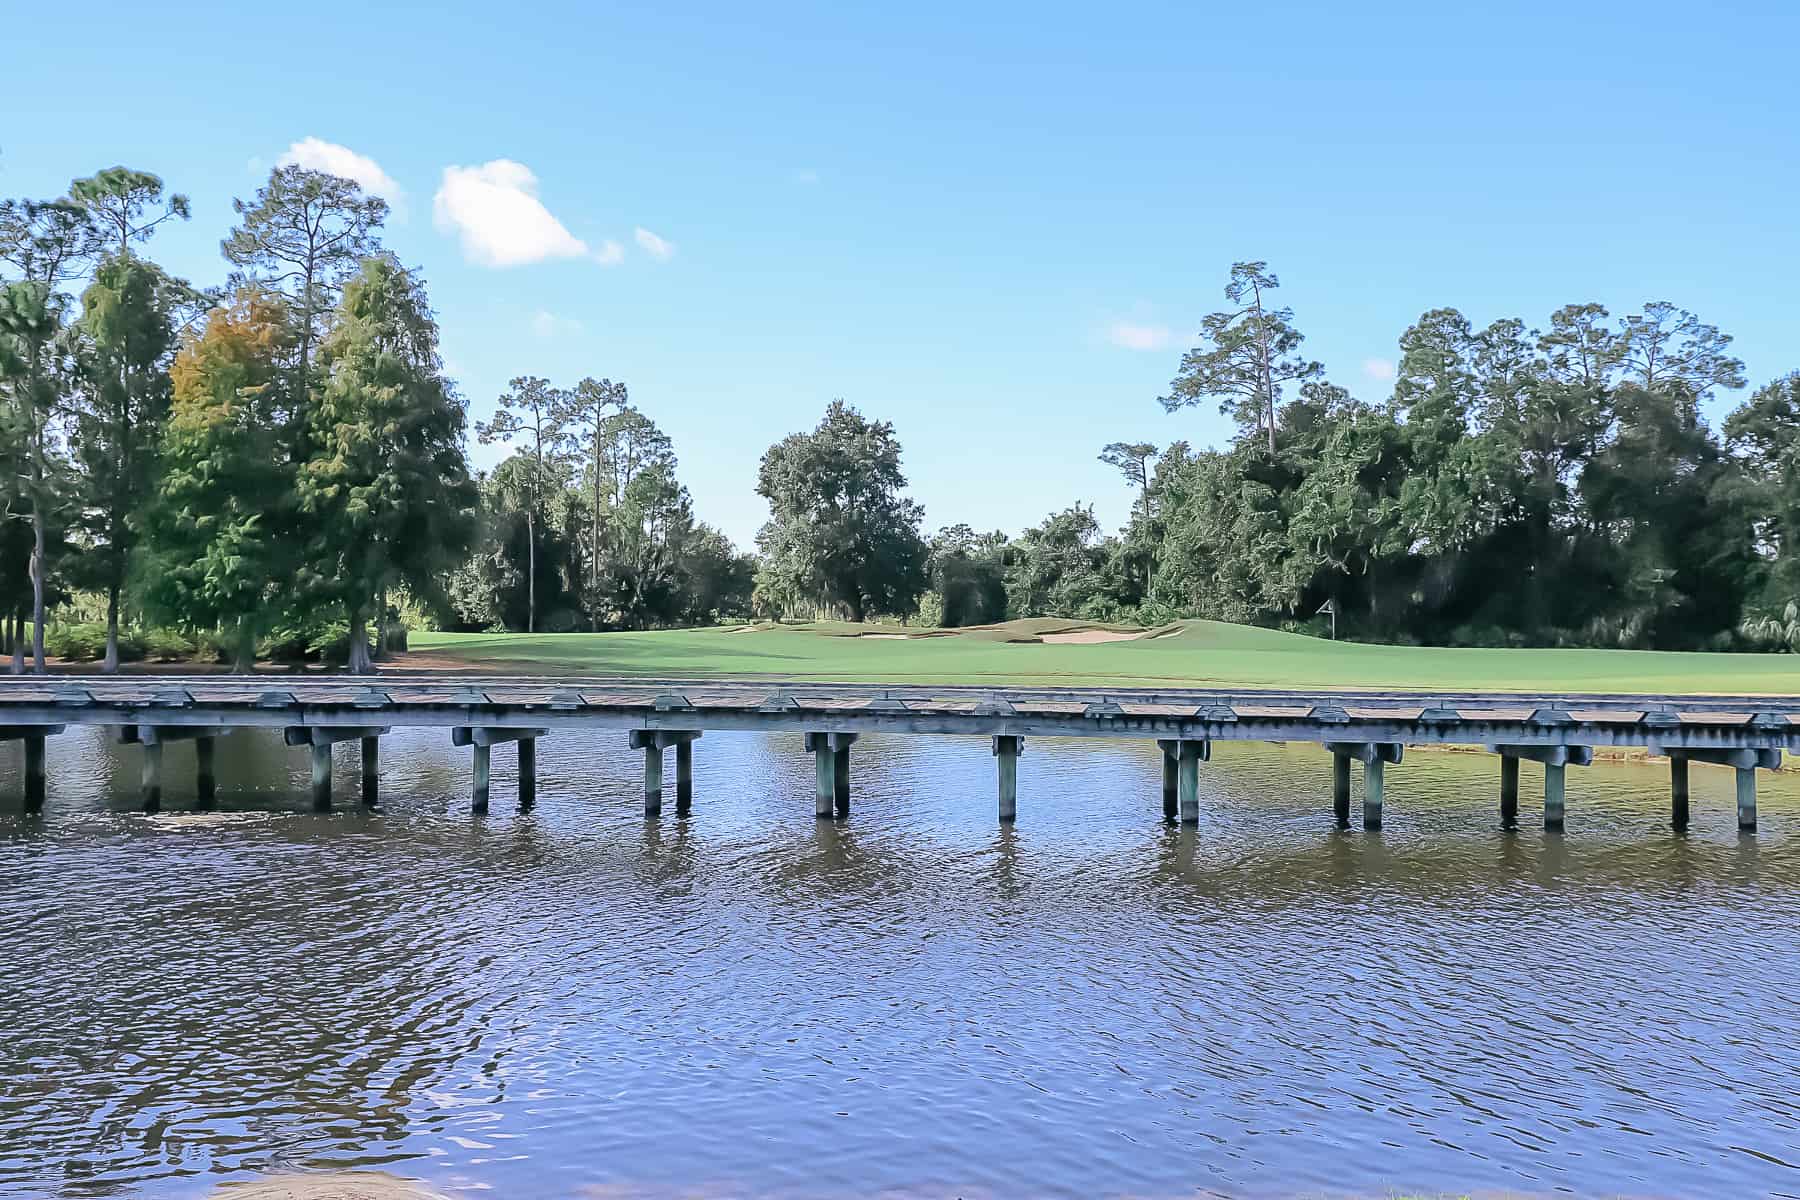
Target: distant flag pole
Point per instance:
(1328, 607)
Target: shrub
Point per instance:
(85, 642)
(166, 645)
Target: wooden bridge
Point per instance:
(1369, 727)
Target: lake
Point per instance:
(574, 1002)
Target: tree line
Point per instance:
(277, 463)
(1555, 485)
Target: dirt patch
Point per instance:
(1087, 637)
(349, 1185)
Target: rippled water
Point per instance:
(746, 1002)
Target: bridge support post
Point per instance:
(206, 777)
(1554, 805)
(322, 738)
(684, 778)
(1006, 756)
(1509, 792)
(527, 772)
(840, 765)
(1374, 792)
(1678, 791)
(1554, 757)
(371, 771)
(482, 782)
(1171, 785)
(653, 778)
(1745, 762)
(151, 778)
(653, 742)
(1340, 790)
(34, 772)
(321, 776)
(825, 769)
(831, 762)
(1188, 780)
(1374, 757)
(1746, 798)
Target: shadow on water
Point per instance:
(1089, 1002)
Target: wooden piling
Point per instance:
(1553, 796)
(1188, 783)
(1746, 798)
(684, 777)
(1006, 759)
(527, 772)
(1678, 791)
(653, 779)
(825, 768)
(206, 778)
(1171, 781)
(34, 772)
(1509, 792)
(1373, 789)
(1340, 789)
(483, 783)
(152, 776)
(840, 772)
(321, 777)
(371, 771)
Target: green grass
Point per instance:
(1197, 653)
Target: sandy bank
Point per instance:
(349, 1185)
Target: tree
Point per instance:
(968, 572)
(47, 243)
(1245, 357)
(119, 200)
(385, 490)
(305, 234)
(841, 535)
(1132, 461)
(531, 410)
(216, 555)
(126, 338)
(1765, 432)
(582, 416)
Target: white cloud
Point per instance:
(333, 159)
(547, 325)
(806, 175)
(652, 245)
(1131, 336)
(610, 254)
(1380, 370)
(495, 212)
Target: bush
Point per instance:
(85, 641)
(76, 643)
(166, 645)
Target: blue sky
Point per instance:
(994, 225)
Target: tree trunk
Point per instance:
(381, 625)
(18, 643)
(37, 585)
(245, 654)
(359, 644)
(111, 663)
(530, 571)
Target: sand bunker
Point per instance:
(1087, 637)
(886, 637)
(349, 1185)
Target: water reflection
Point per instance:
(916, 1001)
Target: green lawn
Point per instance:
(1198, 653)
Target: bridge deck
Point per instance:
(1372, 727)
